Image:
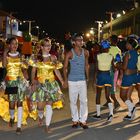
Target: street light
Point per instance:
(136, 4)
(87, 35)
(94, 29)
(99, 31)
(106, 21)
(91, 32)
(29, 22)
(118, 15)
(37, 27)
(11, 19)
(111, 18)
(123, 12)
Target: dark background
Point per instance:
(57, 16)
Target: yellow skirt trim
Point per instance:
(106, 85)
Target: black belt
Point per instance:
(104, 71)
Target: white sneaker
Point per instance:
(133, 113)
(97, 117)
(110, 117)
(127, 118)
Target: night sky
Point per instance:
(58, 16)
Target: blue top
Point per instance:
(132, 62)
(77, 67)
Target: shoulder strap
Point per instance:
(73, 53)
(83, 52)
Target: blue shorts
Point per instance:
(138, 78)
(104, 79)
(129, 80)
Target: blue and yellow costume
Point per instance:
(129, 80)
(104, 66)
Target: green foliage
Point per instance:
(26, 37)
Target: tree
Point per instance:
(26, 36)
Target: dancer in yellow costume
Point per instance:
(47, 92)
(15, 70)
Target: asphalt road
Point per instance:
(61, 124)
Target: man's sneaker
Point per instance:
(133, 113)
(97, 117)
(110, 117)
(18, 131)
(75, 125)
(116, 106)
(127, 118)
(11, 122)
(83, 125)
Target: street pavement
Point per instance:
(98, 130)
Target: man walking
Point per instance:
(76, 80)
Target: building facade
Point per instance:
(124, 25)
